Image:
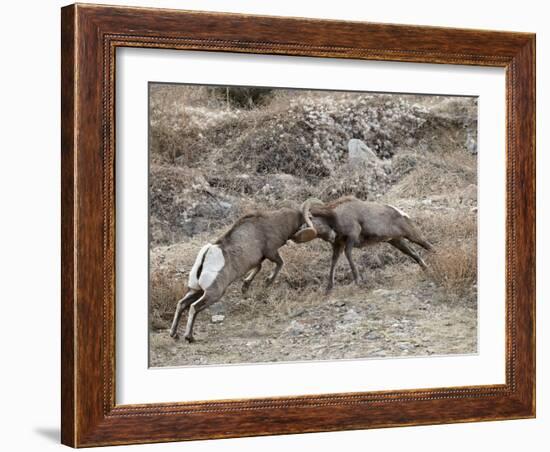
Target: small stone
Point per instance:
(295, 328)
(218, 318)
(299, 313)
(373, 335)
(351, 316)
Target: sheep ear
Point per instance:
(305, 235)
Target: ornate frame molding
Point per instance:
(90, 37)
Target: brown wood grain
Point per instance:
(67, 225)
(90, 35)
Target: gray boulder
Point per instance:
(359, 152)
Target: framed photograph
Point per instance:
(280, 225)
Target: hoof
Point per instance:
(174, 335)
(190, 339)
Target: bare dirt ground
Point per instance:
(349, 323)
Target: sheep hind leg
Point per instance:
(278, 260)
(337, 249)
(348, 252)
(250, 277)
(406, 249)
(191, 296)
(209, 297)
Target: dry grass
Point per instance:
(166, 289)
(454, 264)
(433, 173)
(455, 269)
(447, 226)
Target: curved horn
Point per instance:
(305, 235)
(306, 206)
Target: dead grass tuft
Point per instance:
(455, 269)
(166, 288)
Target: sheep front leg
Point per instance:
(337, 249)
(347, 250)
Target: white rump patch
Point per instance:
(399, 211)
(212, 266)
(212, 260)
(193, 282)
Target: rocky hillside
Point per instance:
(214, 156)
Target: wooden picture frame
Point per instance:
(90, 35)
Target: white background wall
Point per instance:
(29, 182)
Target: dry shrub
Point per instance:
(169, 271)
(456, 108)
(428, 174)
(243, 96)
(171, 144)
(166, 288)
(455, 268)
(442, 227)
(173, 134)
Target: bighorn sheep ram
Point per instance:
(349, 222)
(239, 252)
